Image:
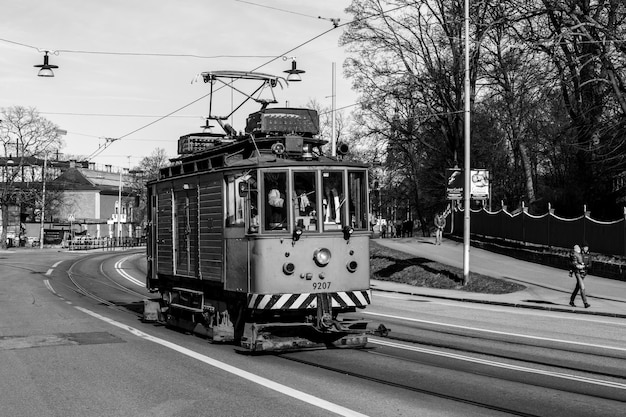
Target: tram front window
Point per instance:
(275, 186)
(357, 209)
(305, 200)
(333, 200)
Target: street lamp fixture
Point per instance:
(46, 68)
(294, 72)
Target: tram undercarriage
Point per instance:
(257, 330)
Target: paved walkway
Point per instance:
(547, 288)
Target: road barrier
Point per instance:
(87, 243)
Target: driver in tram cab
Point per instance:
(276, 201)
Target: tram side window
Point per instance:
(275, 186)
(333, 200)
(305, 200)
(358, 200)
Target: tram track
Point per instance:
(78, 281)
(507, 377)
(408, 387)
(81, 281)
(536, 355)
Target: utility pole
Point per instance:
(43, 200)
(119, 211)
(467, 185)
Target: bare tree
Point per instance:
(147, 170)
(24, 136)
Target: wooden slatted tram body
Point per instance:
(261, 239)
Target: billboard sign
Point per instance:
(454, 189)
(479, 184)
(479, 189)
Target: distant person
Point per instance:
(383, 230)
(440, 224)
(409, 228)
(578, 266)
(586, 259)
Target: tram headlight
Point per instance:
(321, 256)
(351, 266)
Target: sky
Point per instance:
(117, 75)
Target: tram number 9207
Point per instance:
(321, 286)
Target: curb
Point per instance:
(505, 304)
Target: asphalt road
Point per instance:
(64, 354)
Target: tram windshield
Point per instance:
(305, 200)
(313, 200)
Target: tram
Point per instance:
(258, 237)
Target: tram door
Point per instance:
(235, 241)
(186, 227)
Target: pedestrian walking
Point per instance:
(440, 224)
(399, 229)
(586, 258)
(579, 269)
(383, 230)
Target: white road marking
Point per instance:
(49, 287)
(49, 271)
(283, 389)
(57, 264)
(496, 331)
(503, 309)
(499, 364)
(126, 275)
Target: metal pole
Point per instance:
(466, 197)
(119, 210)
(333, 139)
(43, 199)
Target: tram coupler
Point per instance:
(381, 331)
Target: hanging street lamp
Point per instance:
(294, 73)
(46, 68)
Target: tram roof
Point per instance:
(252, 153)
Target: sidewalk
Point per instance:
(546, 288)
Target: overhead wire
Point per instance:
(109, 141)
(103, 148)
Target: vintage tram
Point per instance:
(258, 237)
